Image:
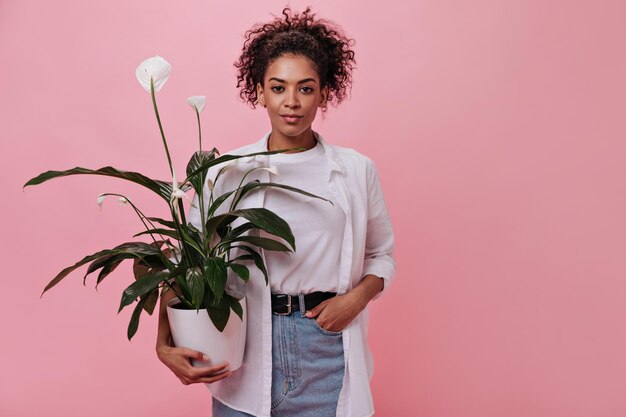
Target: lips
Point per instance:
(291, 118)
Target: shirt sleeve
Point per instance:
(379, 244)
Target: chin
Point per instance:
(294, 131)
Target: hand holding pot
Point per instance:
(178, 360)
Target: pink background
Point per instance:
(498, 130)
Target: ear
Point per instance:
(259, 94)
(323, 94)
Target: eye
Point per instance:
(309, 89)
(276, 86)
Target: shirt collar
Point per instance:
(334, 162)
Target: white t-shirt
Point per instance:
(317, 225)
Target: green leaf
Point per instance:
(102, 262)
(149, 265)
(162, 188)
(216, 274)
(240, 258)
(240, 230)
(220, 200)
(140, 249)
(256, 184)
(193, 229)
(216, 222)
(167, 223)
(295, 190)
(241, 270)
(143, 285)
(65, 272)
(159, 231)
(258, 260)
(262, 242)
(151, 301)
(152, 263)
(134, 319)
(196, 282)
(191, 236)
(268, 221)
(234, 304)
(144, 253)
(226, 158)
(111, 262)
(197, 160)
(174, 234)
(108, 265)
(106, 270)
(219, 312)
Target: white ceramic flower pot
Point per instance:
(194, 329)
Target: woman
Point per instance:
(306, 350)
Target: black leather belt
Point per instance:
(283, 304)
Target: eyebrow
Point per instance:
(299, 82)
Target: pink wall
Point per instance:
(498, 131)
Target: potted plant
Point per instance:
(192, 262)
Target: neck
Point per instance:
(277, 141)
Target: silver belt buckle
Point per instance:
(288, 305)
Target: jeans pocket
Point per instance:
(321, 329)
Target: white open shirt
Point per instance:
(367, 249)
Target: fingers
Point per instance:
(215, 378)
(179, 361)
(207, 374)
(316, 310)
(193, 354)
(208, 370)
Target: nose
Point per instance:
(291, 99)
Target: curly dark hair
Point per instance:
(320, 40)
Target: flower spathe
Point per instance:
(122, 201)
(177, 193)
(273, 169)
(100, 199)
(197, 102)
(155, 68)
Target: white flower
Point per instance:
(227, 166)
(122, 201)
(177, 193)
(100, 199)
(197, 102)
(156, 68)
(273, 169)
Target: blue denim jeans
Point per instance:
(307, 370)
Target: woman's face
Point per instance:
(292, 87)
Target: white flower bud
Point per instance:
(197, 102)
(156, 68)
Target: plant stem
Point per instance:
(173, 289)
(179, 230)
(233, 204)
(156, 111)
(205, 244)
(199, 129)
